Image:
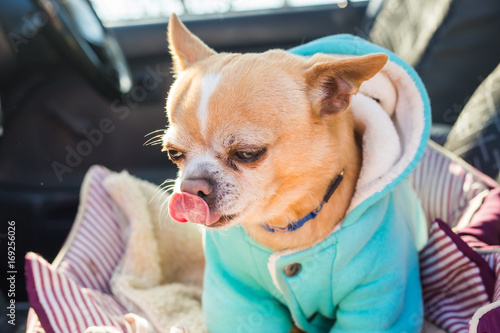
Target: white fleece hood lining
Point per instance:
(388, 147)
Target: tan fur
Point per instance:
(296, 107)
(177, 31)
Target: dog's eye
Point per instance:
(249, 155)
(174, 155)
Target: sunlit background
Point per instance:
(114, 11)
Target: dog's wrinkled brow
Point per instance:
(250, 136)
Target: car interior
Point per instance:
(79, 89)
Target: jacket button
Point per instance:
(292, 269)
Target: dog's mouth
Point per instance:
(185, 207)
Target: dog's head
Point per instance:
(257, 137)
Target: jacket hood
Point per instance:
(394, 110)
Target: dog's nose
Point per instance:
(200, 187)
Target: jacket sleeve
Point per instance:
(379, 290)
(230, 306)
(384, 305)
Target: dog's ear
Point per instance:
(185, 48)
(332, 84)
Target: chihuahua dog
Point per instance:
(266, 145)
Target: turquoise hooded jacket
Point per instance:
(364, 277)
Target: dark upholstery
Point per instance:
(476, 134)
(453, 45)
(406, 26)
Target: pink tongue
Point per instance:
(185, 207)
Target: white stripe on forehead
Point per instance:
(208, 85)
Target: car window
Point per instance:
(114, 12)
